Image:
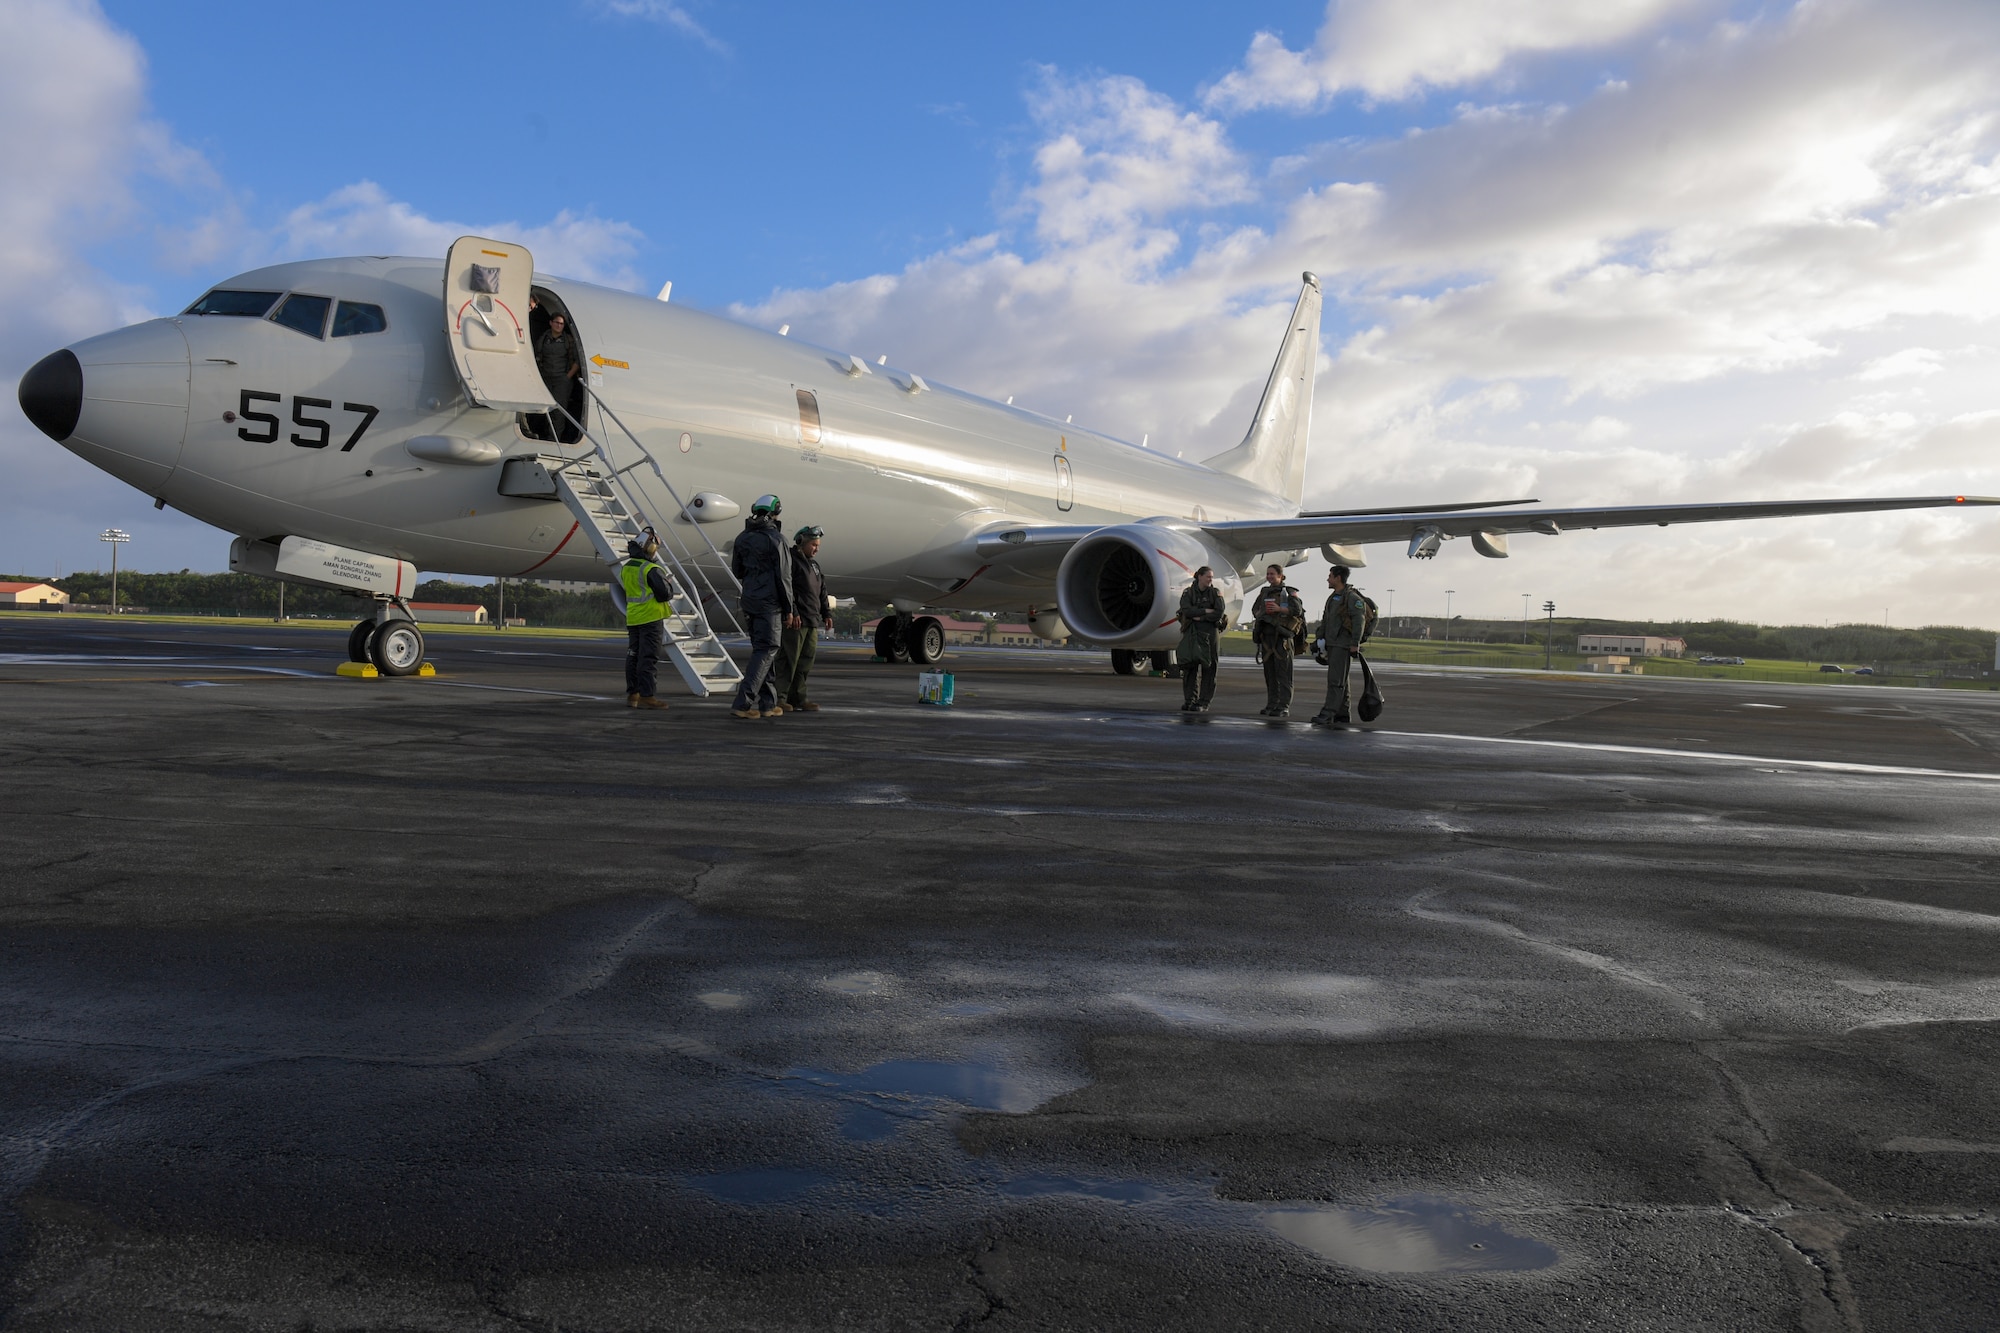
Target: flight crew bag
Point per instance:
(1369, 706)
(934, 687)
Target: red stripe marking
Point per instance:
(1170, 557)
(1170, 619)
(960, 585)
(552, 554)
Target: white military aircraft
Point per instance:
(354, 420)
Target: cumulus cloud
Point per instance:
(1392, 49)
(1664, 290)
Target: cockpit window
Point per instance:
(307, 314)
(351, 318)
(219, 302)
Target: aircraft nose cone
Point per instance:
(52, 394)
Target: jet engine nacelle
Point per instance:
(1121, 587)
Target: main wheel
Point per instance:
(357, 641)
(1162, 661)
(1124, 661)
(889, 645)
(398, 648)
(925, 639)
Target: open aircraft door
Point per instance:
(486, 315)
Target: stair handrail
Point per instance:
(659, 472)
(685, 563)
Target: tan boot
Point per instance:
(647, 701)
(632, 699)
(806, 708)
(774, 712)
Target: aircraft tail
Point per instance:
(1273, 454)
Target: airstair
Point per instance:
(610, 503)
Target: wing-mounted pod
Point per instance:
(486, 294)
(1121, 587)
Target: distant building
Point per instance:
(571, 585)
(32, 594)
(1634, 645)
(449, 613)
(1615, 666)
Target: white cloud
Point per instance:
(363, 219)
(1715, 244)
(1393, 49)
(665, 12)
(1917, 361)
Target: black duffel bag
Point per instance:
(1369, 706)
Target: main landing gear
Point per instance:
(390, 640)
(901, 638)
(1143, 662)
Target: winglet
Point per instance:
(1273, 454)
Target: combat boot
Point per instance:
(647, 701)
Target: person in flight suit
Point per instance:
(1340, 639)
(799, 645)
(1280, 617)
(1202, 615)
(763, 569)
(648, 595)
(556, 357)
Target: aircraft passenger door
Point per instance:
(486, 319)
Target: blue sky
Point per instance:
(1598, 252)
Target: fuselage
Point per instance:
(289, 434)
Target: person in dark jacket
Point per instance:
(1202, 615)
(561, 365)
(763, 569)
(649, 597)
(1280, 618)
(1340, 627)
(799, 644)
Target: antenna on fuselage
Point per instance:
(667, 290)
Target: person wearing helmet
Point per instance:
(763, 570)
(648, 595)
(799, 645)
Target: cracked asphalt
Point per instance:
(483, 1003)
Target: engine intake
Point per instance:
(1121, 587)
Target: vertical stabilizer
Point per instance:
(1273, 454)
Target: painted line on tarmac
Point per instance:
(1722, 756)
(518, 689)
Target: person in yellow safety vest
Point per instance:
(648, 597)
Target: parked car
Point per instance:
(1864, 671)
(1828, 666)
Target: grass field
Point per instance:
(1431, 652)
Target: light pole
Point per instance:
(1392, 610)
(281, 601)
(1524, 620)
(117, 537)
(1549, 645)
(1447, 613)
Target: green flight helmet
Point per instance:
(767, 504)
(808, 533)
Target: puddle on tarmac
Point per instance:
(982, 1087)
(761, 1184)
(968, 1010)
(1117, 1191)
(856, 983)
(723, 999)
(1416, 1235)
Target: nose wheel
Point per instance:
(395, 647)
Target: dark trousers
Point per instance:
(1339, 668)
(758, 691)
(797, 648)
(642, 657)
(1197, 682)
(1278, 678)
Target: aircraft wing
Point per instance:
(1279, 534)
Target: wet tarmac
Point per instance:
(480, 1002)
